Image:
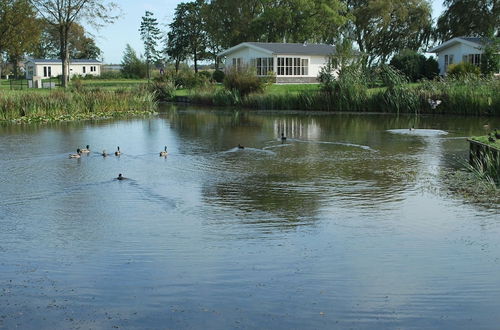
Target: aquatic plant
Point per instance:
(84, 103)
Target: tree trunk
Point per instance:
(177, 63)
(195, 58)
(63, 37)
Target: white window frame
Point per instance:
(293, 66)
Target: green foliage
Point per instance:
(132, 65)
(490, 60)
(150, 34)
(19, 32)
(382, 28)
(162, 89)
(111, 75)
(218, 76)
(463, 69)
(243, 81)
(187, 36)
(431, 68)
(410, 63)
(468, 18)
(81, 103)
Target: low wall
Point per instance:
(297, 80)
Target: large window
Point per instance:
(473, 59)
(448, 60)
(293, 66)
(264, 65)
(237, 62)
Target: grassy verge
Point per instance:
(57, 105)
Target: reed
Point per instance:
(79, 104)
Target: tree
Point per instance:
(150, 34)
(490, 60)
(132, 65)
(187, 32)
(64, 13)
(81, 46)
(382, 28)
(480, 18)
(18, 30)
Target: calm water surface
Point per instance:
(346, 225)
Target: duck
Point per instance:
(104, 153)
(85, 150)
(283, 138)
(164, 153)
(497, 135)
(121, 177)
(491, 138)
(434, 103)
(240, 146)
(118, 152)
(77, 155)
(412, 128)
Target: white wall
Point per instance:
(56, 69)
(458, 51)
(247, 54)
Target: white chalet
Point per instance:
(456, 50)
(291, 63)
(46, 68)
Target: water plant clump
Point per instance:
(26, 106)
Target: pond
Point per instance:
(346, 224)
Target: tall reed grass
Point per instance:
(469, 95)
(82, 103)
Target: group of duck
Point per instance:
(86, 150)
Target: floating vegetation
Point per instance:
(465, 183)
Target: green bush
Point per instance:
(218, 76)
(463, 69)
(415, 66)
(162, 89)
(111, 75)
(243, 81)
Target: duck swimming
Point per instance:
(283, 138)
(118, 152)
(164, 153)
(104, 153)
(85, 150)
(77, 155)
(121, 177)
(240, 146)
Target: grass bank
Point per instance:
(466, 96)
(56, 105)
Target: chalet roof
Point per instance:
(285, 48)
(58, 61)
(471, 41)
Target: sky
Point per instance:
(113, 38)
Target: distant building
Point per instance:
(46, 68)
(291, 63)
(112, 67)
(456, 50)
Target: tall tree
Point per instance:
(189, 25)
(19, 32)
(301, 20)
(81, 45)
(132, 65)
(382, 28)
(150, 35)
(64, 13)
(479, 18)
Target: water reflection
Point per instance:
(336, 226)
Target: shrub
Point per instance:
(111, 75)
(462, 69)
(243, 81)
(162, 89)
(218, 76)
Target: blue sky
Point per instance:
(113, 38)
